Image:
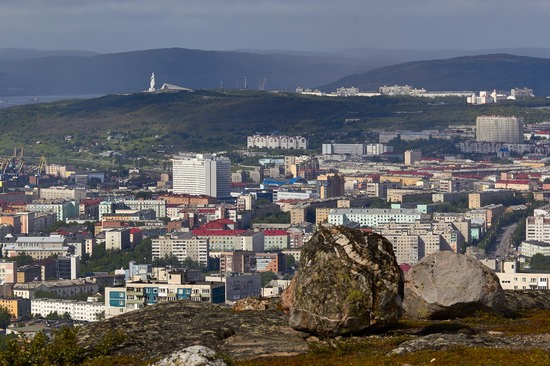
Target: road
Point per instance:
(503, 241)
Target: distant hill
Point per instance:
(485, 72)
(30, 73)
(18, 54)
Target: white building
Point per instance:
(499, 129)
(64, 193)
(537, 227)
(512, 279)
(182, 246)
(372, 217)
(89, 311)
(378, 149)
(203, 174)
(277, 142)
(531, 247)
(159, 206)
(38, 247)
(350, 149)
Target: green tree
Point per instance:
(5, 317)
(267, 277)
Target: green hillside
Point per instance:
(153, 124)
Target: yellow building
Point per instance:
(16, 306)
(406, 180)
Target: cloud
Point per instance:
(109, 26)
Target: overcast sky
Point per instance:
(308, 25)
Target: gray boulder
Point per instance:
(193, 356)
(349, 282)
(446, 285)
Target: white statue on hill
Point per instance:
(152, 83)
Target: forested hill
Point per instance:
(486, 72)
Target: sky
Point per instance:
(107, 26)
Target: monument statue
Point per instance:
(152, 83)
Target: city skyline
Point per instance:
(306, 25)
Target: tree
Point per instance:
(5, 317)
(267, 277)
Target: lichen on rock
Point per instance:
(349, 282)
(447, 285)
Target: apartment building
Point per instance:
(372, 217)
(89, 311)
(136, 295)
(16, 306)
(183, 246)
(38, 247)
(203, 174)
(500, 129)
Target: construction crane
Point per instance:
(41, 168)
(20, 162)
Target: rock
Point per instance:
(156, 331)
(256, 304)
(193, 356)
(446, 285)
(286, 296)
(349, 282)
(518, 301)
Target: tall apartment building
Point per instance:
(331, 185)
(204, 174)
(117, 239)
(377, 149)
(412, 156)
(182, 246)
(499, 129)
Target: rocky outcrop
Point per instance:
(159, 330)
(518, 301)
(257, 304)
(349, 282)
(193, 356)
(447, 285)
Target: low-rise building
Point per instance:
(16, 306)
(89, 311)
(136, 295)
(61, 288)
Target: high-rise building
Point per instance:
(203, 174)
(412, 156)
(331, 185)
(499, 129)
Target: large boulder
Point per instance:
(446, 285)
(349, 282)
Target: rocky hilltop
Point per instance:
(160, 330)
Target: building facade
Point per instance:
(203, 174)
(276, 142)
(499, 129)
